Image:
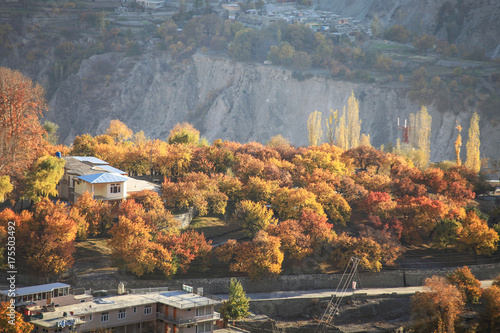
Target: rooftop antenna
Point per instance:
(405, 132)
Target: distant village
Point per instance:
(280, 11)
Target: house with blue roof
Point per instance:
(90, 174)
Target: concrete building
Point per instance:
(180, 311)
(83, 173)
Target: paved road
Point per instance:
(324, 293)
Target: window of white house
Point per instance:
(200, 312)
(115, 188)
(90, 317)
(148, 310)
(122, 314)
(105, 316)
(205, 327)
(135, 309)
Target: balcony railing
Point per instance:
(191, 320)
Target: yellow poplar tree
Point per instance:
(331, 124)
(473, 161)
(353, 122)
(341, 132)
(458, 144)
(420, 136)
(314, 128)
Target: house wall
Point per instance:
(114, 321)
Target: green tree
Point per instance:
(184, 133)
(43, 177)
(5, 187)
(236, 307)
(314, 128)
(397, 33)
(51, 129)
(353, 122)
(253, 217)
(473, 161)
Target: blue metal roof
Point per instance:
(111, 169)
(90, 159)
(37, 289)
(101, 178)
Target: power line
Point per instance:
(336, 300)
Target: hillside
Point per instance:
(468, 23)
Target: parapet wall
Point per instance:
(387, 279)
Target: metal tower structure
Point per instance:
(336, 300)
(405, 132)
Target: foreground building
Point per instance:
(180, 311)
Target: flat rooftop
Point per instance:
(178, 299)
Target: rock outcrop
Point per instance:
(235, 101)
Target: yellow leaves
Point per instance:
(476, 236)
(43, 177)
(119, 131)
(258, 258)
(438, 309)
(289, 203)
(366, 249)
(473, 161)
(20, 325)
(314, 128)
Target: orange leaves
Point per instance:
(438, 309)
(466, 283)
(20, 325)
(47, 238)
(258, 258)
(475, 235)
(289, 203)
(21, 104)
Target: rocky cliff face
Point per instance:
(469, 23)
(234, 101)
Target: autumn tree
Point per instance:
(43, 176)
(119, 131)
(491, 314)
(258, 258)
(474, 235)
(184, 133)
(253, 217)
(237, 305)
(185, 247)
(133, 248)
(289, 203)
(458, 145)
(438, 309)
(473, 160)
(366, 249)
(365, 156)
(314, 128)
(420, 136)
(154, 209)
(467, 284)
(96, 213)
(331, 124)
(48, 238)
(5, 187)
(353, 121)
(335, 206)
(18, 324)
(21, 134)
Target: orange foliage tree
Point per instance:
(438, 309)
(21, 134)
(491, 314)
(96, 213)
(14, 324)
(466, 283)
(289, 203)
(474, 235)
(258, 258)
(47, 238)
